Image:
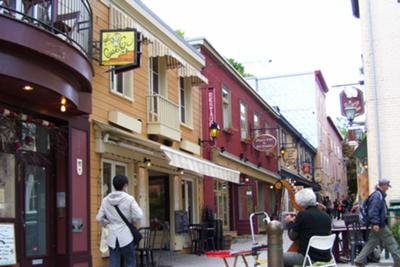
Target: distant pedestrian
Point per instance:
(120, 239)
(340, 210)
(380, 232)
(335, 208)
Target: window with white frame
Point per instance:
(189, 198)
(122, 83)
(158, 79)
(226, 107)
(185, 105)
(243, 121)
(109, 169)
(256, 124)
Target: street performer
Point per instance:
(307, 223)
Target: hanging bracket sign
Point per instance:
(264, 142)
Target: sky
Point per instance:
(276, 37)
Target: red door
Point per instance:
(36, 205)
(247, 196)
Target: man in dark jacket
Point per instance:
(312, 221)
(380, 232)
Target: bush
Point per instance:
(396, 231)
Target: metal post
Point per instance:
(275, 248)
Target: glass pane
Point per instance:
(120, 83)
(106, 185)
(7, 185)
(190, 200)
(35, 211)
(35, 138)
(158, 199)
(120, 170)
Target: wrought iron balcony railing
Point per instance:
(70, 20)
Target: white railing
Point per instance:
(163, 111)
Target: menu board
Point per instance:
(7, 244)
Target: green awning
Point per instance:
(361, 151)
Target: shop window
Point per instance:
(221, 198)
(159, 199)
(35, 138)
(185, 105)
(7, 185)
(109, 170)
(122, 84)
(243, 121)
(189, 198)
(226, 107)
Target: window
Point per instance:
(185, 107)
(243, 121)
(158, 81)
(189, 198)
(256, 122)
(122, 83)
(7, 185)
(221, 198)
(109, 170)
(226, 107)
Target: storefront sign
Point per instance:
(211, 105)
(352, 97)
(291, 157)
(7, 244)
(264, 142)
(118, 47)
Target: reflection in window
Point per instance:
(7, 185)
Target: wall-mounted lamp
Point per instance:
(350, 111)
(214, 133)
(247, 179)
(63, 106)
(222, 149)
(241, 156)
(180, 171)
(282, 151)
(147, 162)
(259, 165)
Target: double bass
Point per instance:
(294, 247)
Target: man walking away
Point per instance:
(380, 232)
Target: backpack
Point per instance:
(364, 210)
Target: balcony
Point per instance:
(163, 118)
(70, 20)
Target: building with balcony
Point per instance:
(243, 117)
(146, 124)
(45, 102)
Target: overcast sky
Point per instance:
(297, 35)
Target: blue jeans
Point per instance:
(128, 252)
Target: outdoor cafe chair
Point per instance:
(355, 234)
(321, 243)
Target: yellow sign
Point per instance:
(118, 47)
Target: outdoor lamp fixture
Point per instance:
(63, 102)
(259, 165)
(180, 171)
(282, 151)
(147, 162)
(350, 111)
(222, 149)
(241, 156)
(214, 133)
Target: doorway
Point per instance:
(159, 198)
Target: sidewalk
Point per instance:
(177, 259)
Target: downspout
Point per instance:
(374, 89)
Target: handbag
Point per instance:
(103, 243)
(137, 236)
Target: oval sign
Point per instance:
(264, 142)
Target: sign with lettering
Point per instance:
(211, 105)
(118, 47)
(264, 142)
(352, 97)
(8, 254)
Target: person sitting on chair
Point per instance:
(307, 223)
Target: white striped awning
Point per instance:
(156, 48)
(201, 166)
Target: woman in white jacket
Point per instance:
(120, 239)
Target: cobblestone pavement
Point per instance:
(177, 259)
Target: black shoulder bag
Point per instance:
(137, 236)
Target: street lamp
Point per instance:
(350, 111)
(214, 133)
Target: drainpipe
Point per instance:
(373, 86)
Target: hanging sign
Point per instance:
(118, 47)
(264, 142)
(211, 106)
(352, 97)
(8, 254)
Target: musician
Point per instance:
(307, 223)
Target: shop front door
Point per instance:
(37, 202)
(246, 205)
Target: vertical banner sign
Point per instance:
(211, 105)
(118, 47)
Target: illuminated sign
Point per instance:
(264, 142)
(118, 47)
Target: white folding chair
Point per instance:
(321, 243)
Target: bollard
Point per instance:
(275, 246)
